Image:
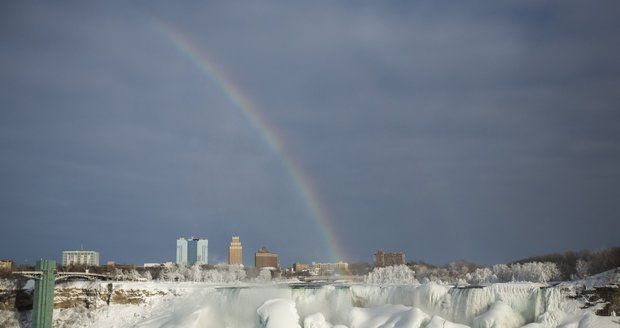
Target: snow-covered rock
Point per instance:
(499, 315)
(278, 313)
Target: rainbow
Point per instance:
(269, 134)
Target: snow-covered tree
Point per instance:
(399, 274)
(503, 272)
(583, 268)
(264, 275)
(481, 276)
(146, 275)
(541, 272)
(174, 273)
(195, 273)
(535, 271)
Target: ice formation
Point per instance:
(271, 305)
(371, 306)
(278, 313)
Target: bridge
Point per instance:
(45, 277)
(331, 278)
(60, 275)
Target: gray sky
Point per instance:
(482, 130)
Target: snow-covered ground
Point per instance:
(356, 306)
(390, 298)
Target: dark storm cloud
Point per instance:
(481, 130)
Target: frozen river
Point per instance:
(363, 306)
(288, 305)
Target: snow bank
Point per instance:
(8, 284)
(278, 313)
(388, 316)
(190, 305)
(500, 315)
(316, 320)
(439, 322)
(611, 277)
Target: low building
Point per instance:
(329, 268)
(383, 259)
(153, 265)
(80, 258)
(265, 259)
(6, 265)
(299, 267)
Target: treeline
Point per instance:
(580, 264)
(570, 265)
(540, 272)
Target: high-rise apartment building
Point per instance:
(265, 259)
(383, 259)
(235, 251)
(192, 251)
(82, 258)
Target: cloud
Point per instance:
(417, 122)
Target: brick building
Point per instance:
(383, 259)
(265, 259)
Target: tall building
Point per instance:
(383, 259)
(265, 259)
(192, 251)
(85, 258)
(235, 251)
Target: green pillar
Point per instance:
(43, 304)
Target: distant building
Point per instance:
(383, 259)
(330, 268)
(299, 267)
(235, 251)
(111, 264)
(192, 251)
(6, 265)
(265, 259)
(152, 265)
(80, 258)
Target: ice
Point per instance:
(193, 305)
(388, 316)
(278, 313)
(397, 274)
(439, 322)
(316, 320)
(500, 315)
(29, 286)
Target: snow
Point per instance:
(439, 322)
(316, 320)
(388, 316)
(278, 313)
(398, 274)
(611, 277)
(271, 305)
(500, 315)
(29, 286)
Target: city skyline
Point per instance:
(190, 248)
